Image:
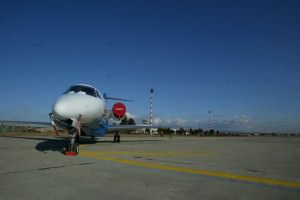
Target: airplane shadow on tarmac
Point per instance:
(51, 145)
(57, 144)
(46, 143)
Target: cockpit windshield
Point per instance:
(82, 89)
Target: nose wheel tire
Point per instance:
(72, 148)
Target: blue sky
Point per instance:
(239, 59)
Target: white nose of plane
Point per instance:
(63, 108)
(70, 106)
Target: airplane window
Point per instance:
(98, 95)
(89, 91)
(82, 89)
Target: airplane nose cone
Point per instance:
(70, 106)
(61, 109)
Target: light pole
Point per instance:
(209, 120)
(151, 105)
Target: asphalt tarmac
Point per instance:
(151, 168)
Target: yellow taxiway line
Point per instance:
(220, 174)
(158, 154)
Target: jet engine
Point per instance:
(119, 110)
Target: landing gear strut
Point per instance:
(117, 137)
(72, 148)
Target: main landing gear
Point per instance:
(117, 137)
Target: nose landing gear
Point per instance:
(72, 148)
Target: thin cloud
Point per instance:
(238, 121)
(178, 122)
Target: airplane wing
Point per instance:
(26, 123)
(132, 127)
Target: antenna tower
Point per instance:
(209, 120)
(151, 105)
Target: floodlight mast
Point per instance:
(151, 105)
(209, 120)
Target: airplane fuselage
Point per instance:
(82, 104)
(71, 105)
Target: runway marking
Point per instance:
(220, 174)
(158, 154)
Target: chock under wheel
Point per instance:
(71, 153)
(72, 150)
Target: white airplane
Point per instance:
(81, 110)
